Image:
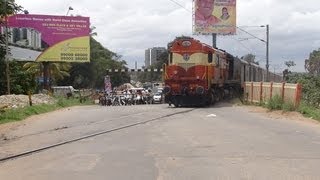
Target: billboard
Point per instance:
(49, 38)
(107, 84)
(214, 16)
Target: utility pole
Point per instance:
(267, 48)
(6, 58)
(267, 53)
(214, 40)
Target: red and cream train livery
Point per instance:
(198, 74)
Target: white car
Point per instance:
(157, 98)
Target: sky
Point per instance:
(128, 27)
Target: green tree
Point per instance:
(250, 58)
(154, 76)
(57, 71)
(287, 71)
(8, 7)
(5, 9)
(21, 81)
(312, 65)
(289, 63)
(310, 87)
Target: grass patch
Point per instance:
(309, 111)
(288, 106)
(275, 103)
(22, 113)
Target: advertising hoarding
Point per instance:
(49, 38)
(107, 84)
(214, 16)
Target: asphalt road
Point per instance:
(220, 142)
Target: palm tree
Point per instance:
(57, 71)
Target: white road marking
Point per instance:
(212, 115)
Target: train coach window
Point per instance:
(170, 58)
(210, 58)
(218, 59)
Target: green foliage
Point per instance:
(288, 106)
(22, 113)
(154, 76)
(5, 9)
(149, 76)
(21, 81)
(250, 58)
(275, 103)
(58, 71)
(8, 7)
(309, 111)
(310, 88)
(312, 65)
(287, 72)
(289, 63)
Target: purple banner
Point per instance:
(49, 38)
(53, 29)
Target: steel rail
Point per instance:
(37, 150)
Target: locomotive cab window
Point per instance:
(210, 57)
(170, 58)
(218, 60)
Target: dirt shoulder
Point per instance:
(11, 126)
(279, 114)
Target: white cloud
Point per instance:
(130, 27)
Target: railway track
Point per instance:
(37, 150)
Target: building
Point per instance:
(152, 55)
(24, 37)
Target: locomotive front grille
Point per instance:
(186, 66)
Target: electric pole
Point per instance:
(267, 52)
(214, 40)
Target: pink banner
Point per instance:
(53, 29)
(49, 38)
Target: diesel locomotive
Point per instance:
(198, 75)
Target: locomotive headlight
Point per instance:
(199, 90)
(166, 90)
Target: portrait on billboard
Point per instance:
(214, 16)
(203, 13)
(225, 14)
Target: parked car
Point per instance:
(157, 98)
(65, 91)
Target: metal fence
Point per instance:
(258, 92)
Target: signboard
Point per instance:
(214, 16)
(49, 38)
(107, 84)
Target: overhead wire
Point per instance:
(177, 3)
(250, 50)
(251, 34)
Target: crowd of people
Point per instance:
(126, 97)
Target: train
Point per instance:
(197, 74)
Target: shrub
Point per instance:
(309, 111)
(288, 106)
(275, 103)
